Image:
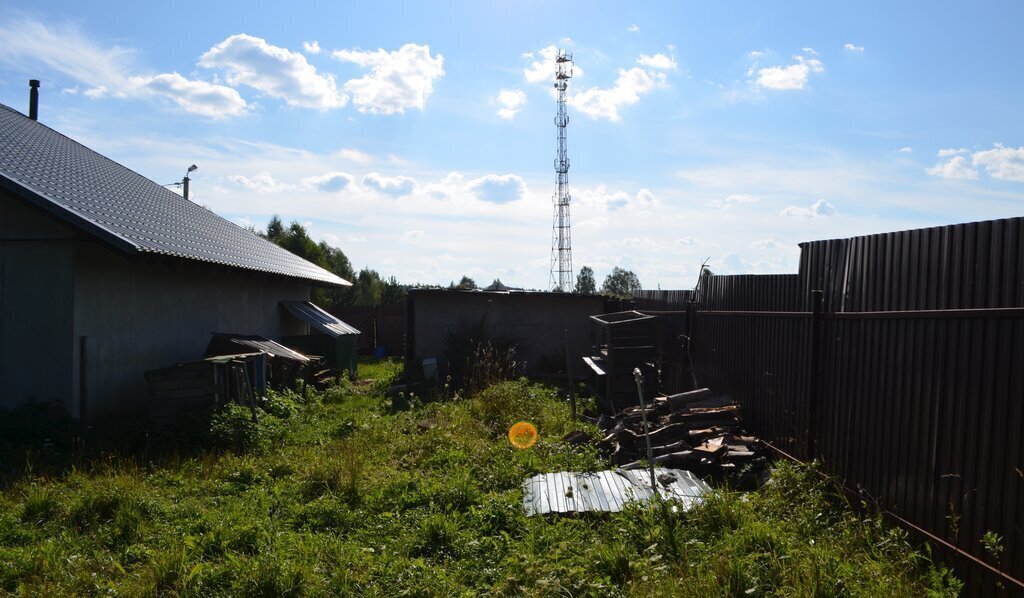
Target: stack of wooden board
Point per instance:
(694, 430)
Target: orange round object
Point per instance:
(523, 435)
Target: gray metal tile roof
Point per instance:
(318, 318)
(127, 210)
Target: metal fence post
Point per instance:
(813, 380)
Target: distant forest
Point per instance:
(369, 289)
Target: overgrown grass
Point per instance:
(336, 495)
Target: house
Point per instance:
(105, 274)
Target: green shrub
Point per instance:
(233, 427)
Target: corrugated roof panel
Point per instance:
(318, 318)
(607, 491)
(264, 345)
(127, 210)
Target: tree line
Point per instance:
(370, 289)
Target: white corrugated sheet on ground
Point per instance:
(608, 491)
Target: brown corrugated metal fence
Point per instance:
(908, 384)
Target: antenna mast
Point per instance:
(561, 238)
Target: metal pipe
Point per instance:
(33, 99)
(639, 377)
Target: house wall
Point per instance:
(36, 278)
(136, 315)
(534, 322)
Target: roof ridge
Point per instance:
(127, 209)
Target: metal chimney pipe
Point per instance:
(33, 99)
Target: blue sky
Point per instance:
(418, 137)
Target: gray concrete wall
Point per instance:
(536, 322)
(137, 315)
(36, 278)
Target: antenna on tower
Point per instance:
(561, 238)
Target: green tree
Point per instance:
(466, 283)
(621, 283)
(585, 283)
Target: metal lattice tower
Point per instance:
(561, 237)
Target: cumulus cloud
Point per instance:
(312, 47)
(658, 61)
(395, 186)
(498, 188)
(602, 198)
(852, 48)
(274, 71)
(261, 182)
(598, 103)
(108, 72)
(511, 101)
(793, 76)
(906, 150)
(732, 200)
(1000, 162)
(397, 81)
(955, 168)
(543, 66)
(633, 28)
(329, 182)
(197, 97)
(819, 209)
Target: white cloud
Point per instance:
(598, 103)
(852, 48)
(906, 150)
(1004, 163)
(511, 101)
(109, 72)
(602, 198)
(354, 155)
(98, 92)
(411, 235)
(954, 168)
(275, 71)
(809, 51)
(766, 244)
(396, 186)
(732, 200)
(645, 198)
(261, 182)
(542, 69)
(312, 47)
(1000, 162)
(819, 209)
(197, 97)
(329, 182)
(658, 61)
(793, 76)
(633, 28)
(498, 188)
(397, 81)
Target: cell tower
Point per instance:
(561, 237)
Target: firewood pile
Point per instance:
(694, 430)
